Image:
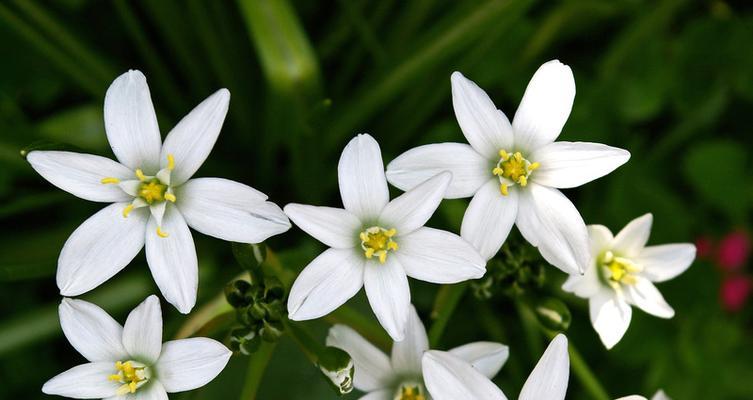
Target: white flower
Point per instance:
(376, 243)
(660, 395)
(400, 377)
(131, 361)
(514, 171)
(621, 274)
(448, 377)
(154, 200)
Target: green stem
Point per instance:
(531, 328)
(310, 347)
(445, 304)
(257, 365)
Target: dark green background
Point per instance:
(669, 80)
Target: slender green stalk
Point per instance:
(445, 304)
(531, 329)
(310, 347)
(59, 58)
(257, 365)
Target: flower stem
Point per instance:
(256, 366)
(445, 304)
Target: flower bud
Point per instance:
(553, 314)
(337, 367)
(237, 293)
(271, 331)
(245, 340)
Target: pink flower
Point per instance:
(733, 251)
(734, 292)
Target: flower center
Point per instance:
(411, 391)
(512, 169)
(618, 270)
(131, 374)
(377, 241)
(152, 190)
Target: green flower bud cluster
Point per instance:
(258, 303)
(517, 270)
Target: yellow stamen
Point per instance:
(170, 162)
(110, 180)
(533, 166)
(504, 155)
(503, 189)
(152, 191)
(377, 241)
(161, 233)
(523, 180)
(140, 175)
(619, 270)
(127, 210)
(131, 377)
(512, 169)
(411, 393)
(170, 197)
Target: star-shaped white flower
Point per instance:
(153, 199)
(131, 362)
(400, 376)
(376, 243)
(449, 377)
(622, 273)
(514, 171)
(660, 395)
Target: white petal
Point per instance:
(334, 227)
(363, 186)
(326, 283)
(385, 394)
(489, 218)
(157, 211)
(153, 391)
(192, 139)
(487, 357)
(406, 354)
(99, 248)
(389, 295)
(412, 209)
(229, 210)
(571, 164)
(142, 332)
(172, 260)
(600, 238)
(644, 295)
(448, 377)
(372, 367)
(188, 364)
(585, 285)
(549, 378)
(545, 106)
(633, 237)
(86, 381)
(662, 263)
(437, 256)
(610, 316)
(469, 169)
(633, 397)
(485, 127)
(91, 331)
(660, 395)
(81, 174)
(131, 123)
(549, 221)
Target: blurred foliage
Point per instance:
(670, 80)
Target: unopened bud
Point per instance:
(553, 314)
(337, 367)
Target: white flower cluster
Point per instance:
(512, 171)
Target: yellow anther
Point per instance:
(170, 197)
(114, 377)
(497, 171)
(161, 233)
(619, 269)
(110, 180)
(503, 189)
(523, 180)
(533, 166)
(170, 162)
(127, 210)
(140, 175)
(518, 156)
(411, 393)
(377, 241)
(512, 169)
(504, 155)
(131, 377)
(152, 191)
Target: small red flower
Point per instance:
(735, 291)
(733, 251)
